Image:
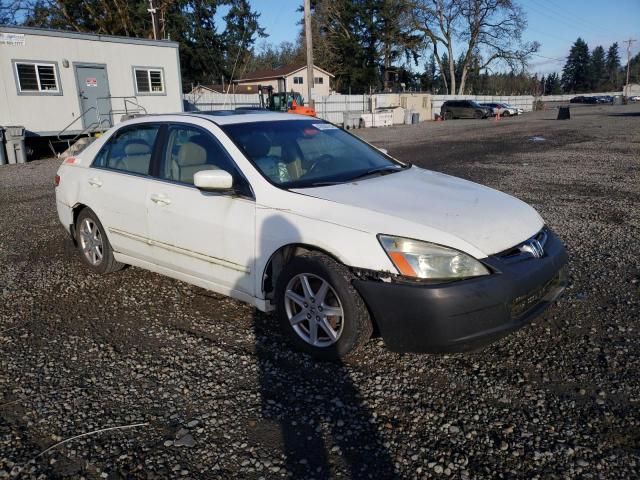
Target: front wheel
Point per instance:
(319, 310)
(478, 115)
(448, 115)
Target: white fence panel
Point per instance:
(568, 96)
(219, 101)
(332, 107)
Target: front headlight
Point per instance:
(424, 260)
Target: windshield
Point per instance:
(474, 103)
(307, 153)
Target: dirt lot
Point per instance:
(215, 393)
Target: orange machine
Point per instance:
(290, 102)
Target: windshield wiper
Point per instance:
(373, 171)
(380, 170)
(323, 184)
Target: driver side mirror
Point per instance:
(213, 180)
(384, 150)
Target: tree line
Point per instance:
(369, 45)
(596, 71)
(440, 46)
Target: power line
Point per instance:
(566, 20)
(549, 58)
(574, 17)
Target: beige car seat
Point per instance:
(136, 158)
(192, 157)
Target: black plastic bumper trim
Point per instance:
(468, 314)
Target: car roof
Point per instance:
(226, 117)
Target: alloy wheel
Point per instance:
(314, 310)
(91, 241)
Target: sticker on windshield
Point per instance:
(324, 126)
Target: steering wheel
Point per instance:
(321, 160)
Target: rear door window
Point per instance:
(129, 150)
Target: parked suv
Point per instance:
(294, 215)
(463, 109)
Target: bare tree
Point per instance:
(438, 20)
(491, 29)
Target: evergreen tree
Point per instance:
(634, 69)
(552, 84)
(428, 78)
(576, 74)
(598, 69)
(543, 85)
(444, 72)
(613, 68)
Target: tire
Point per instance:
(505, 114)
(478, 115)
(350, 331)
(448, 115)
(93, 244)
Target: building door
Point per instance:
(93, 91)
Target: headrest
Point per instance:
(192, 154)
(257, 146)
(137, 147)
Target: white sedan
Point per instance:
(513, 110)
(293, 214)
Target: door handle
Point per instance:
(160, 199)
(95, 182)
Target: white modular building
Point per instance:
(63, 83)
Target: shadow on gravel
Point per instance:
(312, 411)
(322, 422)
(625, 114)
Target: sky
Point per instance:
(556, 24)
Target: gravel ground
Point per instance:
(212, 391)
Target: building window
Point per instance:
(149, 80)
(37, 77)
(318, 80)
(298, 80)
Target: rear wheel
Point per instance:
(448, 115)
(319, 310)
(94, 245)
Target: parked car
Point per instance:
(499, 108)
(294, 215)
(463, 109)
(604, 99)
(513, 110)
(583, 99)
(634, 98)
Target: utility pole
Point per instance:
(628, 42)
(307, 33)
(154, 18)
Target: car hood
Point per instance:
(489, 220)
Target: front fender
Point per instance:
(277, 228)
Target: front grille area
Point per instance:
(518, 252)
(521, 305)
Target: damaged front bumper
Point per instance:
(467, 314)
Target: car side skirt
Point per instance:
(260, 304)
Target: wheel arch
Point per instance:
(75, 211)
(280, 257)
